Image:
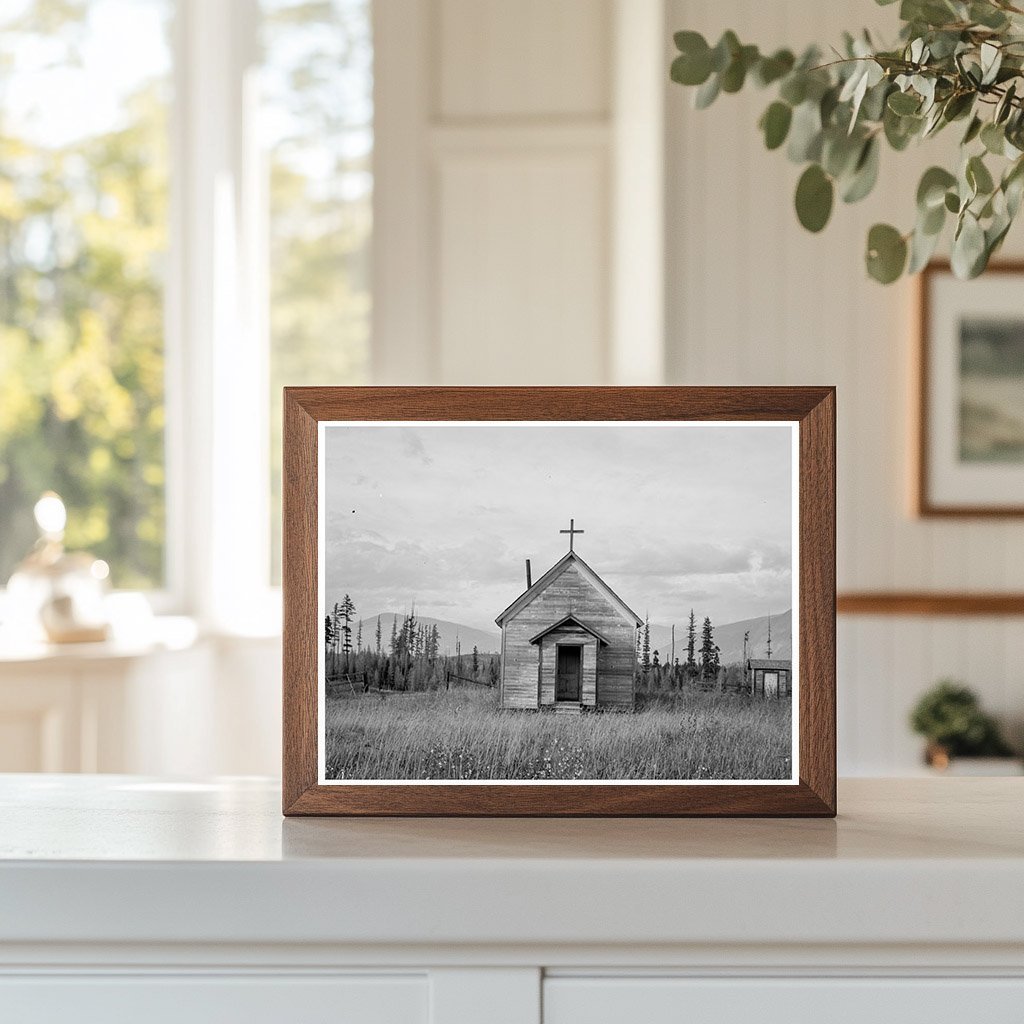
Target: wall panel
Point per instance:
(754, 299)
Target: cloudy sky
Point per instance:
(676, 515)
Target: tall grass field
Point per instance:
(461, 734)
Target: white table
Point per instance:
(125, 898)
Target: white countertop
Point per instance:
(121, 859)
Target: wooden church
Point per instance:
(568, 642)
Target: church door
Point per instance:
(569, 673)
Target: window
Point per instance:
(83, 235)
(238, 217)
(317, 117)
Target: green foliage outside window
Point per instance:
(83, 218)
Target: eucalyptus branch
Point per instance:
(954, 60)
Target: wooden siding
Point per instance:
(528, 670)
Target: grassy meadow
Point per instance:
(461, 734)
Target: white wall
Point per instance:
(754, 299)
(514, 161)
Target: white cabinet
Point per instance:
(130, 899)
(203, 999)
(828, 1000)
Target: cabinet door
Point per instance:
(782, 1001)
(202, 999)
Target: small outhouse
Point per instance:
(770, 677)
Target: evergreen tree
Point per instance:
(378, 637)
(708, 651)
(393, 650)
(691, 646)
(359, 636)
(328, 633)
(655, 662)
(348, 610)
(336, 624)
(476, 660)
(645, 650)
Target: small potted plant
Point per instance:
(950, 718)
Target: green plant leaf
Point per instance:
(991, 57)
(771, 69)
(725, 49)
(794, 89)
(904, 103)
(973, 130)
(805, 133)
(865, 173)
(931, 191)
(775, 124)
(987, 15)
(735, 74)
(922, 247)
(900, 130)
(978, 176)
(886, 253)
(1005, 105)
(814, 195)
(707, 93)
(693, 65)
(993, 138)
(968, 255)
(839, 151)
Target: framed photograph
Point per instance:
(559, 601)
(970, 451)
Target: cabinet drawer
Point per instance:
(202, 999)
(782, 1001)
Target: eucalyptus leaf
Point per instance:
(973, 130)
(968, 248)
(805, 133)
(707, 93)
(814, 196)
(978, 176)
(991, 60)
(1005, 105)
(725, 49)
(931, 190)
(886, 253)
(771, 69)
(865, 173)
(922, 247)
(794, 88)
(993, 138)
(904, 103)
(775, 124)
(987, 15)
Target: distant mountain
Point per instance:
(486, 642)
(729, 638)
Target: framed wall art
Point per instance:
(559, 601)
(970, 444)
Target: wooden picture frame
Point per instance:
(811, 791)
(934, 477)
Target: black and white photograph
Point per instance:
(558, 602)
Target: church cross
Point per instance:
(572, 531)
